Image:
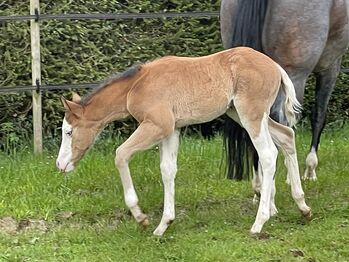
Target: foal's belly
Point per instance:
(196, 112)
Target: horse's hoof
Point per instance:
(158, 232)
(309, 175)
(308, 215)
(145, 222)
(255, 199)
(255, 230)
(311, 163)
(142, 219)
(273, 211)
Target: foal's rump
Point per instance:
(257, 90)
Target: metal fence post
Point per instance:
(36, 75)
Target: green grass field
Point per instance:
(45, 216)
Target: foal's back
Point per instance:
(200, 89)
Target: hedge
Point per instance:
(89, 51)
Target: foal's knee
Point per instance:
(120, 158)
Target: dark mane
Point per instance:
(110, 80)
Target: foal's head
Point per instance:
(78, 134)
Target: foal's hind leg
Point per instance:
(325, 82)
(257, 174)
(267, 152)
(256, 185)
(283, 136)
(168, 166)
(146, 135)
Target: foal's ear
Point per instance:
(73, 107)
(76, 98)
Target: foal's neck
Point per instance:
(109, 103)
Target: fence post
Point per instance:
(36, 75)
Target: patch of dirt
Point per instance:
(9, 225)
(38, 225)
(263, 236)
(297, 252)
(121, 215)
(62, 216)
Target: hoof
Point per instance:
(273, 211)
(311, 163)
(308, 215)
(255, 230)
(160, 230)
(309, 175)
(143, 220)
(255, 200)
(158, 233)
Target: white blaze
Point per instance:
(65, 152)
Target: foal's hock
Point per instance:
(172, 92)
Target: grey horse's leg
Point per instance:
(325, 82)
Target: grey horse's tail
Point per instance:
(248, 22)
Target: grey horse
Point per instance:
(303, 37)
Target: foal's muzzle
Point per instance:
(64, 167)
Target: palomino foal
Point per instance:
(172, 92)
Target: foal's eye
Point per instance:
(69, 133)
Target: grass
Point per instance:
(82, 216)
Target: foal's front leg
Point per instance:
(168, 166)
(146, 135)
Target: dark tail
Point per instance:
(239, 149)
(248, 22)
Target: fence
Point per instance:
(35, 17)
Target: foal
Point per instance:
(172, 92)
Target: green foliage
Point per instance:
(89, 51)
